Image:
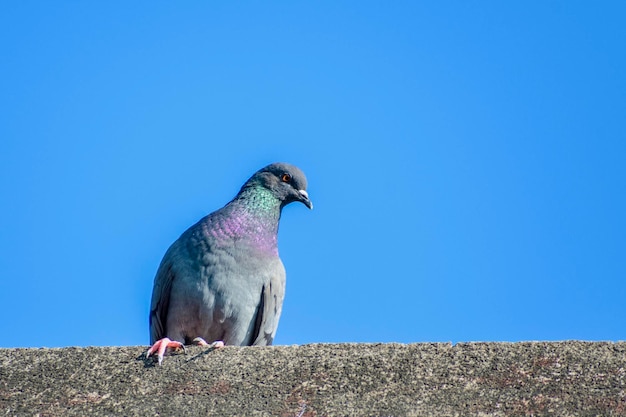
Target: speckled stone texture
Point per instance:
(468, 379)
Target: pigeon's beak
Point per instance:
(304, 198)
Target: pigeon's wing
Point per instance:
(160, 300)
(268, 310)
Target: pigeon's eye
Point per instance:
(285, 177)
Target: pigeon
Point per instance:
(222, 281)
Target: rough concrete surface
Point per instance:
(438, 379)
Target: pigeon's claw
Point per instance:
(161, 345)
(215, 345)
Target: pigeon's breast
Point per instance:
(243, 233)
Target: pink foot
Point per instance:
(215, 345)
(161, 346)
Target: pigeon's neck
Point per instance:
(253, 216)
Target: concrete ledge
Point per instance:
(468, 379)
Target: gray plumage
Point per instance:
(223, 279)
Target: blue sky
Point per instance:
(466, 161)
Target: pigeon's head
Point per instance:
(287, 182)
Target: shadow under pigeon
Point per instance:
(203, 353)
(147, 362)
